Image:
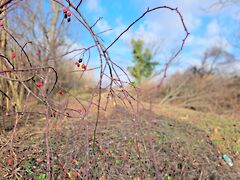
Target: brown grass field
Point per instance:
(187, 145)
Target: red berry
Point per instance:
(77, 64)
(9, 162)
(68, 13)
(84, 67)
(39, 84)
(76, 174)
(65, 10)
(13, 55)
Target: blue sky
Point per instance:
(208, 26)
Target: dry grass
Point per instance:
(188, 144)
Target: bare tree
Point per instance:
(220, 4)
(215, 60)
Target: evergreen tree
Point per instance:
(143, 66)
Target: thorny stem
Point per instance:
(146, 12)
(11, 144)
(103, 55)
(5, 3)
(101, 52)
(47, 145)
(80, 2)
(104, 51)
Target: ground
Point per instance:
(179, 143)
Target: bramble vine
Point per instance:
(41, 81)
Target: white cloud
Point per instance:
(213, 28)
(164, 27)
(215, 32)
(94, 5)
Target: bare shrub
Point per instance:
(212, 86)
(66, 124)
